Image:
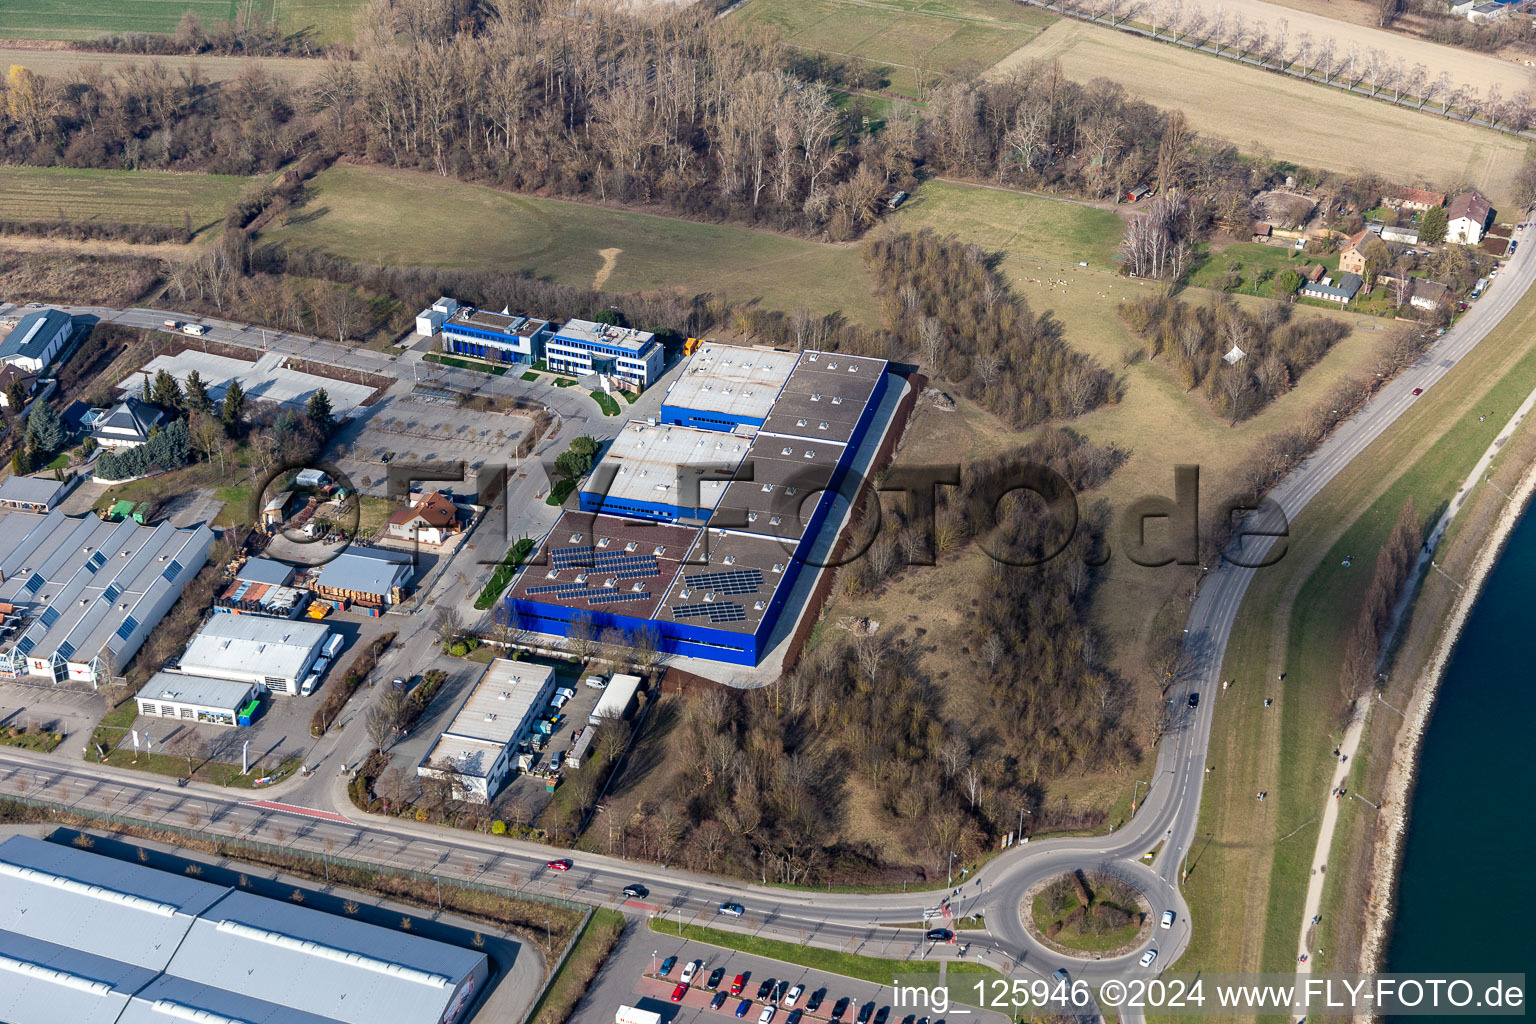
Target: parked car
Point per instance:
(718, 1001)
(679, 992)
(558, 701)
(794, 1017)
(565, 691)
(763, 990)
(563, 864)
(766, 1017)
(865, 1012)
(310, 682)
(814, 1003)
(689, 970)
(885, 1012)
(1167, 919)
(1147, 958)
(667, 965)
(736, 986)
(596, 682)
(732, 909)
(939, 935)
(793, 996)
(838, 1009)
(714, 978)
(742, 1007)
(636, 891)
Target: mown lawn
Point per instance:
(355, 213)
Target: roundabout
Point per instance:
(1087, 915)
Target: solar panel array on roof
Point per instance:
(568, 558)
(559, 589)
(619, 560)
(735, 581)
(618, 597)
(718, 611)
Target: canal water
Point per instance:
(1464, 898)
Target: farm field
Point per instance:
(64, 63)
(129, 197)
(1466, 67)
(1226, 101)
(85, 19)
(908, 37)
(356, 212)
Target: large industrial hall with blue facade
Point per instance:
(697, 525)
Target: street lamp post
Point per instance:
(546, 937)
(1134, 791)
(951, 868)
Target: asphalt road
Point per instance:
(868, 924)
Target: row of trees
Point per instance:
(1244, 361)
(1324, 57)
(1394, 568)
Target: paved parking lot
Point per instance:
(623, 981)
(75, 710)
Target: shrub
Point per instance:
(458, 649)
(498, 827)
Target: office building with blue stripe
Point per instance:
(498, 337)
(710, 572)
(634, 358)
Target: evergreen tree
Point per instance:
(166, 392)
(46, 429)
(319, 411)
(15, 395)
(611, 317)
(21, 462)
(234, 406)
(1432, 226)
(197, 393)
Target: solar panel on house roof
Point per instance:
(718, 611)
(734, 581)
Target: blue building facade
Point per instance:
(743, 581)
(497, 337)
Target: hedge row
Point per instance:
(341, 691)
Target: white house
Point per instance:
(275, 653)
(1467, 218)
(36, 339)
(127, 424)
(432, 520)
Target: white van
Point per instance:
(310, 682)
(334, 645)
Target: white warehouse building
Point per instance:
(92, 590)
(87, 938)
(482, 740)
(274, 653)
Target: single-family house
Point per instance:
(1429, 294)
(1481, 13)
(1352, 258)
(1406, 233)
(127, 424)
(430, 521)
(10, 374)
(1414, 200)
(1467, 218)
(37, 339)
(1342, 291)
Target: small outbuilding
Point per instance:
(35, 493)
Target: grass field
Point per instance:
(908, 37)
(1339, 132)
(356, 212)
(85, 19)
(66, 63)
(1295, 619)
(130, 197)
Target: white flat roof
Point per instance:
(252, 643)
(644, 461)
(493, 713)
(265, 379)
(732, 379)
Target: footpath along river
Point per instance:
(1464, 900)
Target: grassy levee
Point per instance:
(354, 212)
(1295, 619)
